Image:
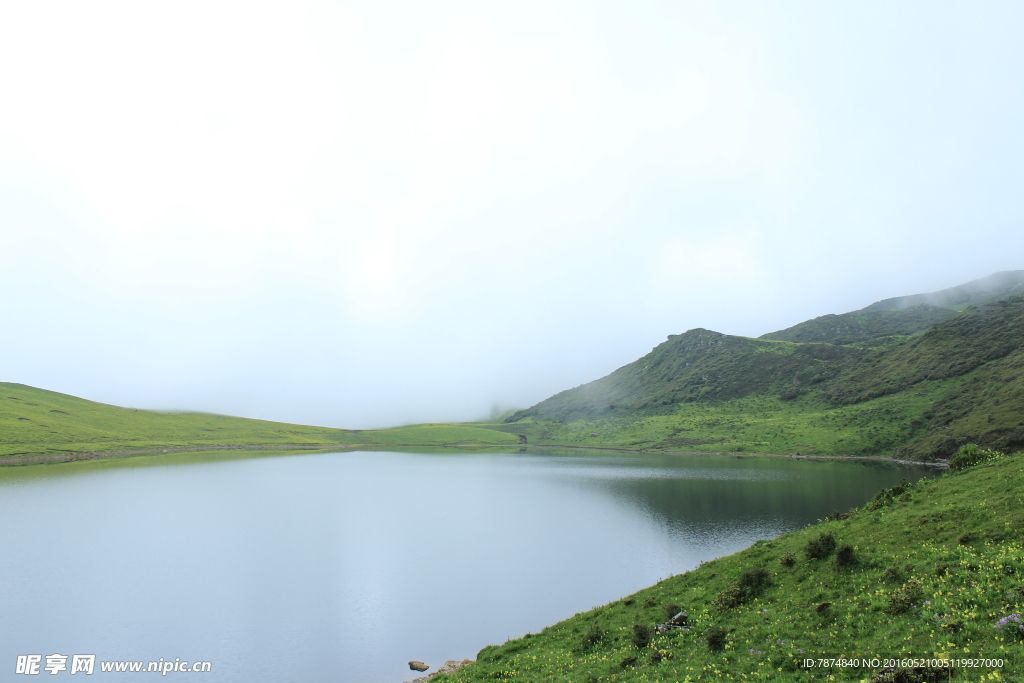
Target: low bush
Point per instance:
(820, 547)
(888, 496)
(750, 584)
(845, 556)
(594, 636)
(971, 455)
(906, 597)
(894, 574)
(754, 578)
(715, 637)
(642, 635)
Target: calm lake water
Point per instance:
(343, 567)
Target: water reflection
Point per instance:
(341, 567)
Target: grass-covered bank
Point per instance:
(933, 570)
(40, 426)
(753, 424)
(914, 397)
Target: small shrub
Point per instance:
(642, 635)
(845, 556)
(887, 496)
(671, 610)
(628, 662)
(731, 597)
(650, 602)
(894, 574)
(965, 538)
(971, 455)
(594, 636)
(820, 547)
(754, 578)
(903, 599)
(749, 585)
(715, 638)
(787, 560)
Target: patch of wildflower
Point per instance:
(1010, 619)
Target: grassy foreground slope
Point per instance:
(917, 397)
(35, 422)
(927, 571)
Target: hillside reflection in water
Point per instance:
(344, 566)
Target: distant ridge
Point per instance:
(40, 426)
(902, 315)
(973, 293)
(924, 380)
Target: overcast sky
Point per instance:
(362, 214)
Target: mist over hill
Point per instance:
(966, 360)
(902, 315)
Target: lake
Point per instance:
(342, 567)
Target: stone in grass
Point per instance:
(418, 666)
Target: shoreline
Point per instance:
(53, 458)
(733, 454)
(448, 667)
(49, 458)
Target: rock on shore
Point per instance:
(448, 667)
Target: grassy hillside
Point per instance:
(859, 326)
(917, 397)
(904, 315)
(926, 571)
(973, 293)
(697, 365)
(36, 422)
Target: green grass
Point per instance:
(754, 424)
(915, 398)
(927, 571)
(39, 423)
(863, 325)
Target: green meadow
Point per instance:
(915, 397)
(753, 424)
(38, 424)
(930, 572)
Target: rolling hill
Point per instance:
(916, 381)
(45, 426)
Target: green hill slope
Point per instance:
(973, 293)
(904, 315)
(36, 422)
(699, 364)
(930, 571)
(961, 381)
(859, 326)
